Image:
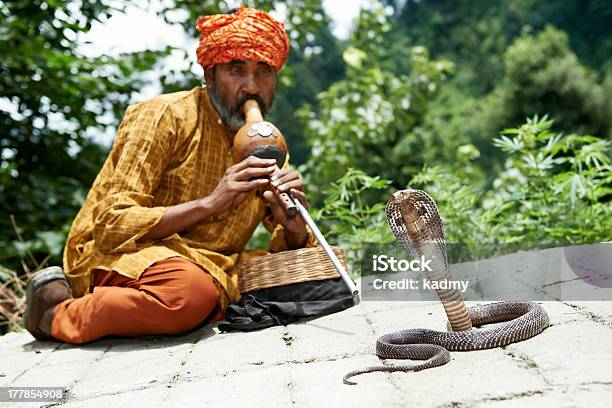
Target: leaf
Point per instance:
(508, 145)
(53, 240)
(354, 57)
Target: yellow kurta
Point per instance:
(168, 150)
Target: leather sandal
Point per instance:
(46, 289)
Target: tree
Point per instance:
(475, 34)
(542, 75)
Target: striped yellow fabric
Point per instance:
(168, 150)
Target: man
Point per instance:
(155, 247)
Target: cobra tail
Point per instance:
(382, 368)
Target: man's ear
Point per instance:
(209, 74)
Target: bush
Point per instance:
(555, 190)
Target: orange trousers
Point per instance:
(172, 296)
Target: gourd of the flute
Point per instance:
(258, 137)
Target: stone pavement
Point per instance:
(301, 365)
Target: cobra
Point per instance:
(415, 221)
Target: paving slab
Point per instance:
(572, 353)
(592, 396)
(261, 387)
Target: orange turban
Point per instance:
(249, 34)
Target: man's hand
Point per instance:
(238, 181)
(231, 191)
(288, 181)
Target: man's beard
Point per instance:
(233, 116)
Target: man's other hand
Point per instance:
(288, 181)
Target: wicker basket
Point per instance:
(282, 268)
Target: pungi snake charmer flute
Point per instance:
(262, 139)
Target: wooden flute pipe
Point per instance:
(262, 139)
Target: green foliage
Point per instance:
(472, 34)
(371, 120)
(510, 65)
(475, 34)
(542, 75)
(554, 190)
(458, 202)
(346, 218)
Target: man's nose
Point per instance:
(250, 85)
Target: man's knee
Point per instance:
(195, 296)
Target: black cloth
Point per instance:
(286, 304)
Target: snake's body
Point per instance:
(415, 221)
